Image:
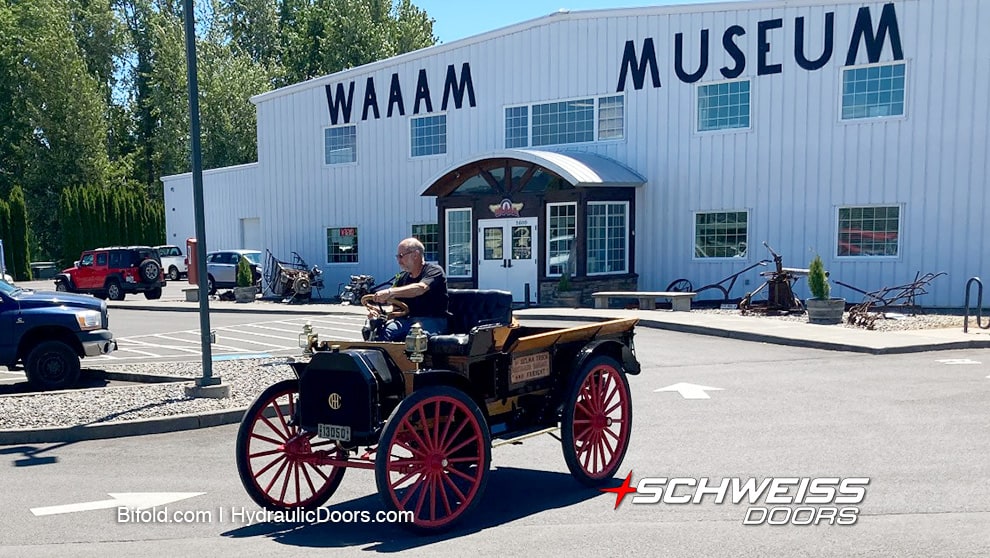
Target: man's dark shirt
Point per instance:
(434, 301)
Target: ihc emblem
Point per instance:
(334, 401)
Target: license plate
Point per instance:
(334, 432)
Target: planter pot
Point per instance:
(244, 294)
(569, 299)
(825, 312)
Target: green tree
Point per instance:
(327, 36)
(53, 131)
(243, 272)
(228, 118)
(254, 28)
(818, 279)
(68, 214)
(5, 230)
(19, 263)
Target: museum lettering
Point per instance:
(340, 100)
(768, 58)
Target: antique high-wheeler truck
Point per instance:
(423, 414)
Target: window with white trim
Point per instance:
(608, 237)
(561, 231)
(565, 122)
(723, 106)
(871, 231)
(428, 135)
(429, 235)
(611, 120)
(342, 245)
(721, 234)
(516, 127)
(873, 91)
(340, 145)
(458, 242)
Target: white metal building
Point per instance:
(636, 146)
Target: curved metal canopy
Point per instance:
(581, 169)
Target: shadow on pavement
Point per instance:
(511, 494)
(88, 379)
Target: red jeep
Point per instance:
(113, 272)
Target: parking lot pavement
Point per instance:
(274, 337)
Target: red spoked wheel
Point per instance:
(596, 421)
(433, 457)
(277, 461)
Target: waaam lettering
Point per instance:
(340, 99)
(864, 33)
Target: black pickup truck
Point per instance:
(48, 332)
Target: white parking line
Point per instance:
(218, 345)
(125, 349)
(272, 335)
(235, 330)
(283, 330)
(238, 340)
(157, 345)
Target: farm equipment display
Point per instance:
(292, 281)
(780, 289)
(901, 298)
(359, 286)
(424, 414)
(724, 286)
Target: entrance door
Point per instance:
(508, 256)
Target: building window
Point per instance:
(516, 127)
(869, 231)
(340, 145)
(429, 135)
(561, 229)
(723, 106)
(429, 235)
(873, 91)
(564, 122)
(611, 118)
(342, 245)
(721, 234)
(458, 242)
(608, 237)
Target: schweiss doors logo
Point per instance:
(771, 501)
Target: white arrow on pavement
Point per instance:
(136, 500)
(690, 391)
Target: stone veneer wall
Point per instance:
(587, 285)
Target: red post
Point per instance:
(192, 271)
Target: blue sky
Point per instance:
(456, 19)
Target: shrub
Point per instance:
(818, 279)
(244, 278)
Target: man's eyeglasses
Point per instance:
(404, 254)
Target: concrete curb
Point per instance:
(787, 341)
(120, 429)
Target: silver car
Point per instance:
(221, 268)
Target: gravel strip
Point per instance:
(881, 322)
(247, 378)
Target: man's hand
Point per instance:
(383, 296)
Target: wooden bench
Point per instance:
(680, 302)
